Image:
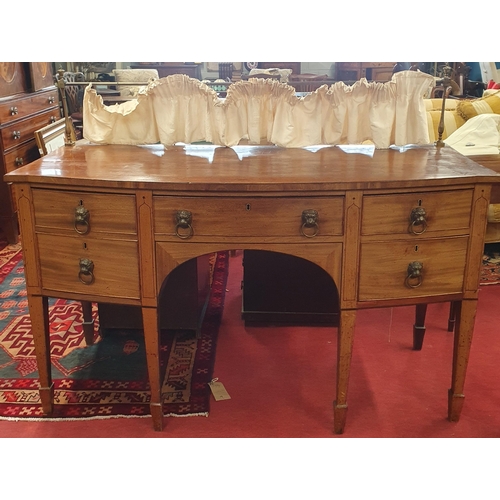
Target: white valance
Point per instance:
(260, 111)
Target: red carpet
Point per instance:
(281, 381)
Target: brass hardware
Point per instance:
(309, 220)
(414, 276)
(51, 100)
(82, 216)
(86, 274)
(417, 219)
(19, 162)
(183, 219)
(52, 119)
(13, 111)
(16, 134)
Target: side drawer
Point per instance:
(115, 266)
(107, 213)
(383, 269)
(22, 107)
(268, 217)
(390, 214)
(24, 130)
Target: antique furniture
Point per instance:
(28, 101)
(294, 66)
(341, 208)
(165, 69)
(352, 71)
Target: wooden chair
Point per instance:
(74, 99)
(48, 139)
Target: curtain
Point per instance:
(262, 111)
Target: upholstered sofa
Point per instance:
(458, 111)
(475, 113)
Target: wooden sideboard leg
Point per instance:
(88, 322)
(452, 316)
(345, 338)
(152, 341)
(419, 326)
(39, 314)
(464, 327)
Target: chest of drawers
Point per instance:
(391, 229)
(28, 102)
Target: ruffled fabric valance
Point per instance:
(262, 111)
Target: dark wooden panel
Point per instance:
(12, 78)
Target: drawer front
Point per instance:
(20, 132)
(115, 266)
(22, 155)
(23, 107)
(278, 217)
(383, 273)
(107, 213)
(391, 214)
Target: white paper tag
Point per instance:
(218, 390)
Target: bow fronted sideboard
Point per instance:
(392, 227)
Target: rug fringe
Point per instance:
(100, 417)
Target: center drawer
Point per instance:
(252, 216)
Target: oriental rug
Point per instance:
(109, 378)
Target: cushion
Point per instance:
(133, 75)
(452, 119)
(469, 108)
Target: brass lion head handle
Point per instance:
(82, 220)
(310, 227)
(414, 276)
(418, 222)
(183, 224)
(86, 274)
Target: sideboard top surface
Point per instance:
(252, 168)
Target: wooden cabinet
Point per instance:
(28, 101)
(166, 69)
(372, 71)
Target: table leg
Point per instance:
(345, 338)
(152, 341)
(419, 326)
(88, 322)
(464, 327)
(39, 314)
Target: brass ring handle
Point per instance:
(309, 220)
(13, 111)
(19, 161)
(304, 226)
(417, 219)
(414, 276)
(82, 223)
(86, 274)
(16, 134)
(183, 220)
(51, 100)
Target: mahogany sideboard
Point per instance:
(390, 227)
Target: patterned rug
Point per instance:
(109, 378)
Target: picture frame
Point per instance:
(50, 137)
